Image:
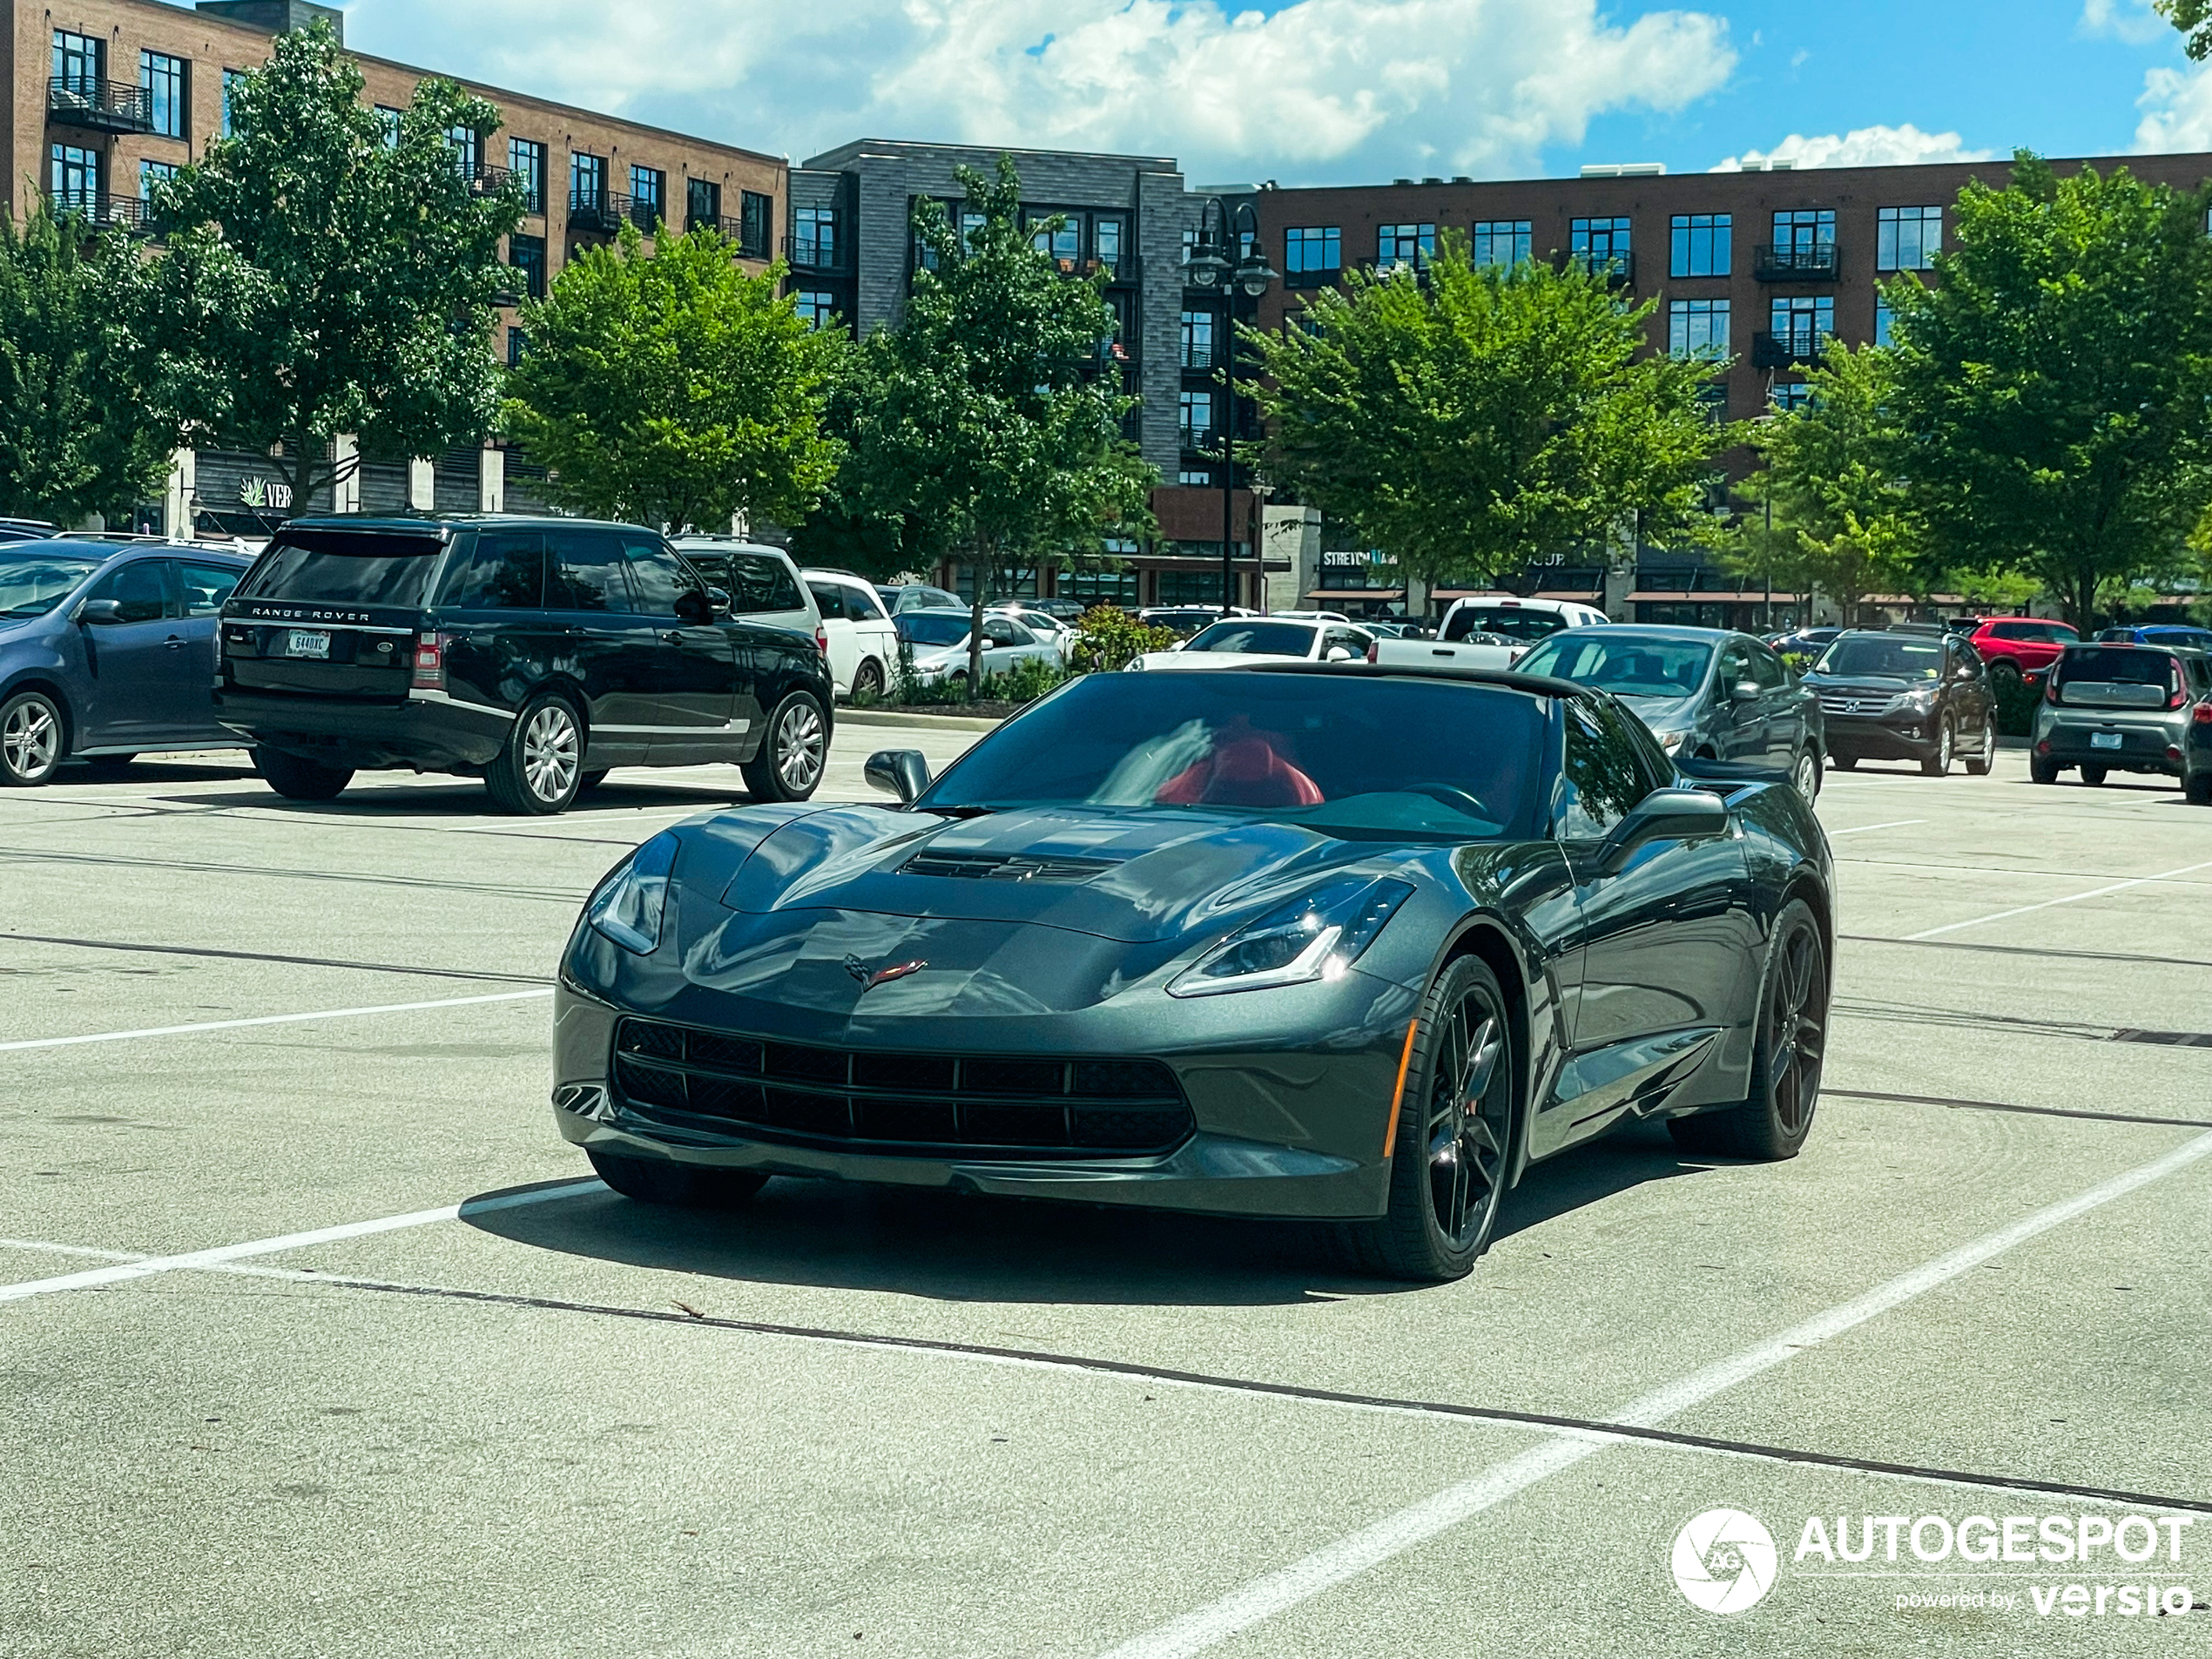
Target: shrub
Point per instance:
(1108, 637)
(2016, 702)
(1027, 681)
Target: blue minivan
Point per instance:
(107, 651)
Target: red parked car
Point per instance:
(2024, 647)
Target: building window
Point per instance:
(73, 179)
(1501, 241)
(1099, 587)
(152, 176)
(162, 79)
(648, 197)
(702, 204)
(756, 212)
(527, 255)
(1109, 233)
(813, 237)
(587, 182)
(468, 150)
(1197, 338)
(388, 118)
(1313, 252)
(1403, 244)
(1201, 477)
(1698, 327)
(1702, 245)
(80, 64)
(526, 160)
(1063, 245)
(1798, 232)
(1196, 587)
(1189, 242)
(1881, 316)
(1802, 323)
(1194, 422)
(817, 307)
(517, 343)
(1791, 394)
(1907, 239)
(230, 79)
(1600, 246)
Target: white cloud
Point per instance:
(1876, 146)
(1321, 90)
(2132, 21)
(2177, 111)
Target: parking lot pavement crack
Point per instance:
(267, 956)
(540, 894)
(2080, 1114)
(2040, 952)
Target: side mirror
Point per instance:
(717, 600)
(100, 613)
(1743, 691)
(1663, 815)
(902, 773)
(1338, 654)
(694, 607)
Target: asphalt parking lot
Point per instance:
(319, 1340)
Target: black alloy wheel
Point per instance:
(298, 780)
(1455, 1128)
(1938, 764)
(34, 737)
(793, 753)
(541, 767)
(1984, 760)
(691, 1186)
(1786, 1056)
(867, 681)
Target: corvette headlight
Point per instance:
(1315, 936)
(628, 906)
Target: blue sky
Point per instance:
(1318, 92)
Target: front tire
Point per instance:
(34, 737)
(298, 780)
(1939, 763)
(792, 754)
(541, 767)
(1805, 773)
(1786, 1055)
(688, 1186)
(1454, 1131)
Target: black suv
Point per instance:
(1906, 694)
(535, 653)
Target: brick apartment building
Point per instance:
(106, 95)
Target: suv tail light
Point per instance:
(2204, 715)
(1375, 651)
(430, 662)
(821, 640)
(2051, 686)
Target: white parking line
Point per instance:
(92, 1277)
(1371, 1546)
(1861, 829)
(273, 1019)
(2072, 897)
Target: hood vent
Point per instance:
(1005, 866)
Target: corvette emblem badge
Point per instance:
(870, 978)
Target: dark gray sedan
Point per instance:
(1707, 694)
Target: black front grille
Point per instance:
(968, 1105)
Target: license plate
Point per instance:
(2104, 739)
(306, 642)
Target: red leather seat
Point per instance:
(1243, 772)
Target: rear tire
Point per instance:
(689, 1186)
(2094, 775)
(793, 752)
(1982, 764)
(1785, 1058)
(2042, 770)
(868, 682)
(1456, 1119)
(541, 769)
(298, 780)
(34, 736)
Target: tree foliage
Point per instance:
(2193, 18)
(2055, 382)
(1845, 522)
(74, 438)
(1469, 419)
(982, 426)
(672, 387)
(326, 274)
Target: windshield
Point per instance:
(1882, 657)
(1350, 757)
(1625, 665)
(31, 583)
(345, 567)
(918, 628)
(1269, 638)
(1515, 622)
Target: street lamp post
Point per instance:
(1210, 270)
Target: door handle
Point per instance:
(175, 641)
(671, 639)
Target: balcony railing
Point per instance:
(99, 211)
(598, 211)
(490, 181)
(1785, 263)
(1790, 349)
(751, 246)
(808, 254)
(105, 106)
(1618, 268)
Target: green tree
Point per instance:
(984, 426)
(674, 389)
(1844, 521)
(1469, 419)
(2055, 383)
(2193, 18)
(74, 438)
(327, 275)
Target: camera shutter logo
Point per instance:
(1724, 1560)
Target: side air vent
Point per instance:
(1004, 866)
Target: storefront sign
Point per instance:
(265, 493)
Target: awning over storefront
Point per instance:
(1574, 596)
(1324, 596)
(1444, 595)
(1708, 597)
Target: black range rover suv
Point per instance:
(534, 653)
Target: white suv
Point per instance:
(762, 582)
(863, 641)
